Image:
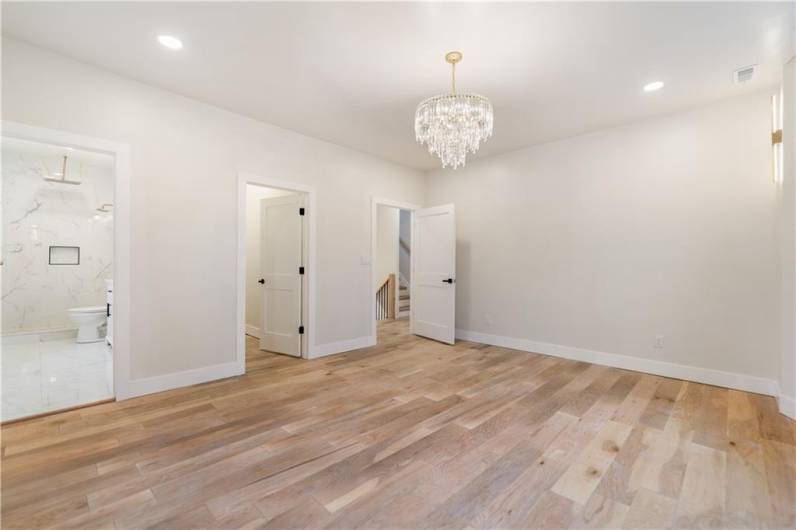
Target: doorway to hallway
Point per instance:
(276, 287)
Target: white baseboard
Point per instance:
(322, 350)
(254, 331)
(708, 376)
(787, 405)
(150, 385)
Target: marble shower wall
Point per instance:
(37, 214)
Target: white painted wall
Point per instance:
(37, 214)
(599, 242)
(185, 157)
(254, 294)
(787, 368)
(602, 242)
(387, 226)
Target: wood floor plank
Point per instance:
(650, 511)
(685, 412)
(711, 424)
(780, 465)
(658, 410)
(600, 512)
(661, 466)
(773, 425)
(409, 433)
(582, 477)
(746, 496)
(618, 484)
(702, 500)
(550, 512)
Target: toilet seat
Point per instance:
(90, 322)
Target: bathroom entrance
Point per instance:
(57, 277)
(276, 270)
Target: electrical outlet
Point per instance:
(658, 341)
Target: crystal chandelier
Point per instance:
(453, 124)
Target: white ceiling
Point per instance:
(352, 73)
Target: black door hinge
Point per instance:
(301, 211)
(301, 270)
(301, 330)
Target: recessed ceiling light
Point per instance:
(652, 87)
(170, 42)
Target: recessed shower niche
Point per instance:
(60, 255)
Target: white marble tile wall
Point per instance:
(37, 214)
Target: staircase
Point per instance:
(403, 301)
(404, 264)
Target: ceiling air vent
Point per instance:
(744, 75)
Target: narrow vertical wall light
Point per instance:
(777, 151)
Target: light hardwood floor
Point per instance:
(410, 434)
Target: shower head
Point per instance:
(63, 179)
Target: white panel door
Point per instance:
(280, 258)
(433, 286)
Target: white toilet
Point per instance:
(90, 322)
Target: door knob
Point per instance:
(261, 281)
(449, 280)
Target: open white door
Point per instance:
(280, 259)
(433, 287)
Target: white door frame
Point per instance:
(309, 324)
(375, 202)
(121, 233)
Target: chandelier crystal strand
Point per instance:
(452, 125)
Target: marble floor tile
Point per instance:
(46, 375)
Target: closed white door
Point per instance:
(433, 286)
(281, 247)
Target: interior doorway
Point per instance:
(65, 271)
(391, 266)
(276, 268)
(276, 240)
(430, 245)
(57, 272)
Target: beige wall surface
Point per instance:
(604, 242)
(185, 158)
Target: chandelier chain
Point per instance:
(453, 78)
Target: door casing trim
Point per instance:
(310, 277)
(121, 233)
(375, 202)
